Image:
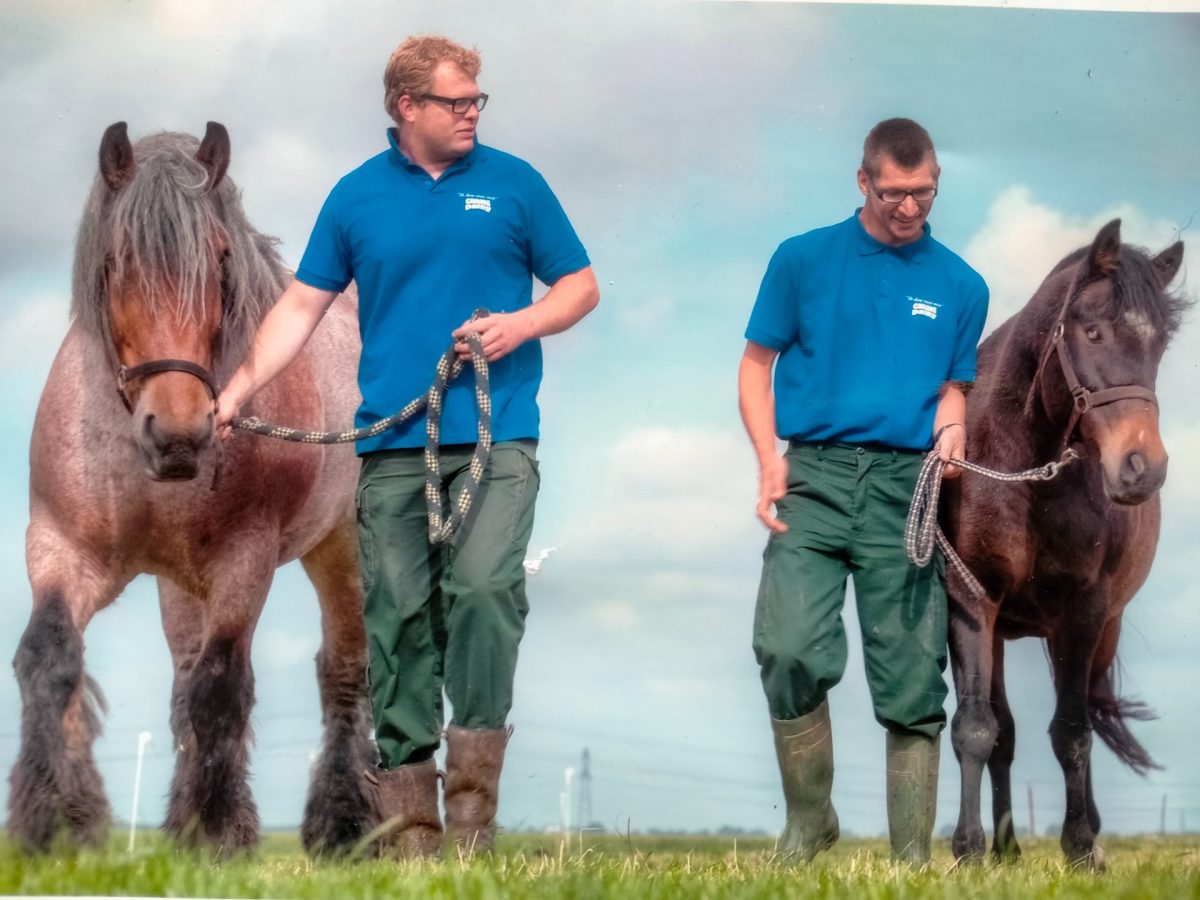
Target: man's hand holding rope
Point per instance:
(499, 333)
(951, 444)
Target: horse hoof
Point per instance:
(1092, 860)
(968, 848)
(1008, 852)
(967, 860)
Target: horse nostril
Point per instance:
(1134, 468)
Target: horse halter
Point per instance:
(126, 374)
(1083, 399)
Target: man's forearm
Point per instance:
(951, 408)
(280, 338)
(756, 402)
(571, 298)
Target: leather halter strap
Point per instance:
(1083, 400)
(126, 374)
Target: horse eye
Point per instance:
(1093, 334)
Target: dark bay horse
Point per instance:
(170, 284)
(1059, 559)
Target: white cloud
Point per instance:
(672, 494)
(1022, 239)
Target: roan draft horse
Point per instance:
(126, 477)
(1059, 559)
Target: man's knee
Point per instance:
(795, 678)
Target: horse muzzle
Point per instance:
(1133, 460)
(1137, 478)
(172, 452)
(170, 429)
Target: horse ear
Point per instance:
(116, 156)
(1102, 258)
(1167, 263)
(214, 153)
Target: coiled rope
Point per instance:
(921, 529)
(441, 526)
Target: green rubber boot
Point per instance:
(912, 774)
(804, 747)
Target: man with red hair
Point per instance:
(430, 229)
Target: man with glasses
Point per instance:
(860, 349)
(431, 229)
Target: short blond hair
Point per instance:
(410, 68)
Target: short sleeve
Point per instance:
(554, 248)
(970, 327)
(774, 321)
(326, 263)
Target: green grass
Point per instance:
(537, 866)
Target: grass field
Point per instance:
(610, 866)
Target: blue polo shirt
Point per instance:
(425, 254)
(866, 333)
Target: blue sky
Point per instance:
(685, 140)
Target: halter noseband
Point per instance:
(1083, 400)
(126, 374)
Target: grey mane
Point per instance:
(158, 232)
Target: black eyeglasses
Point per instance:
(895, 195)
(459, 105)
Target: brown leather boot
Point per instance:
(474, 758)
(408, 805)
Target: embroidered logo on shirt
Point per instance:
(475, 201)
(927, 308)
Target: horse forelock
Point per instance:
(1136, 296)
(162, 232)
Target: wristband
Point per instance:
(937, 437)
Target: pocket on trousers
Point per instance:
(522, 477)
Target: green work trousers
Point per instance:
(447, 617)
(845, 510)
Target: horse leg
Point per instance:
(183, 624)
(1004, 842)
(1105, 712)
(55, 785)
(974, 728)
(1071, 737)
(339, 812)
(214, 692)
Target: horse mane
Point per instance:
(158, 231)
(1136, 290)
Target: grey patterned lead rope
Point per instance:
(921, 529)
(441, 527)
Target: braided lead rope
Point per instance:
(441, 528)
(921, 530)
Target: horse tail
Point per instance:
(1109, 714)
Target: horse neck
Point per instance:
(1010, 362)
